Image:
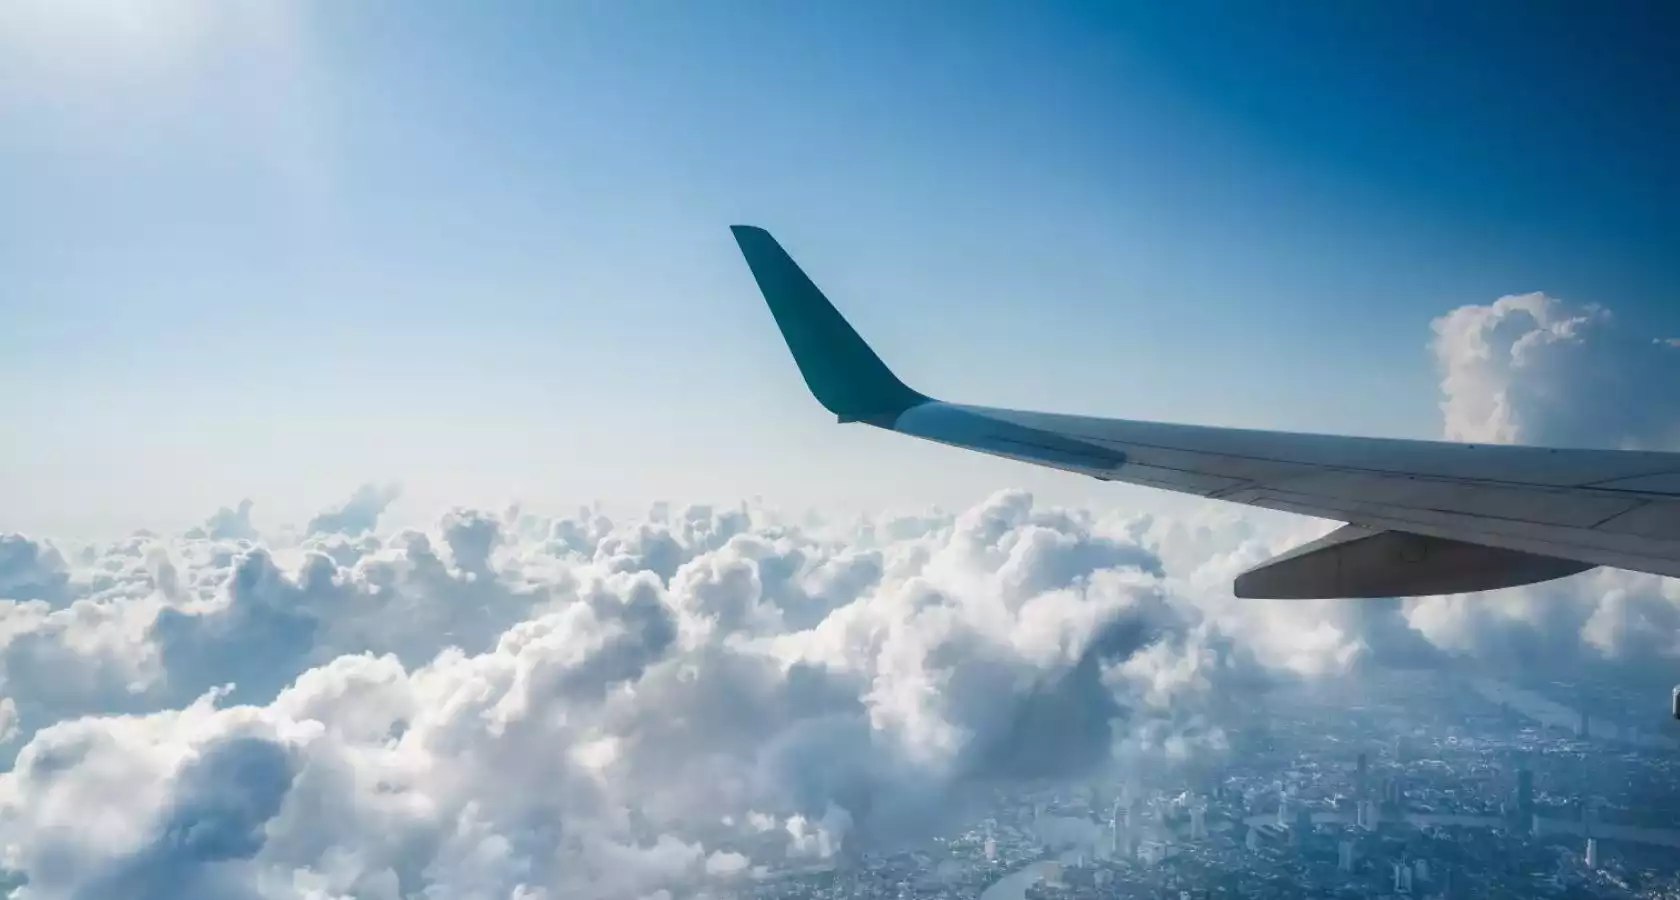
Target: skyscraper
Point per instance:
(1344, 856)
(1125, 814)
(1525, 798)
(1592, 853)
(1361, 778)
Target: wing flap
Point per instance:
(1587, 545)
(1354, 561)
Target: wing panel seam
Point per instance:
(1596, 484)
(1629, 511)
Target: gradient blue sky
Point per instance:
(275, 250)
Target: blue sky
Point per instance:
(276, 250)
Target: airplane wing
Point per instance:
(1423, 517)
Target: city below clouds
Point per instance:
(516, 706)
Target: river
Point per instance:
(1014, 885)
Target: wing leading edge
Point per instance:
(1424, 517)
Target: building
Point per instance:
(1124, 814)
(1525, 799)
(1592, 853)
(1394, 793)
(1367, 815)
(1361, 778)
(1344, 856)
(1198, 823)
(1402, 878)
(1450, 883)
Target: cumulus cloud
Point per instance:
(1530, 368)
(228, 524)
(358, 514)
(31, 570)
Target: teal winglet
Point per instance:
(841, 370)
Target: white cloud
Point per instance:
(31, 570)
(1530, 368)
(723, 862)
(228, 524)
(357, 515)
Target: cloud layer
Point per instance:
(516, 706)
(694, 693)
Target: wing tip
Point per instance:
(842, 371)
